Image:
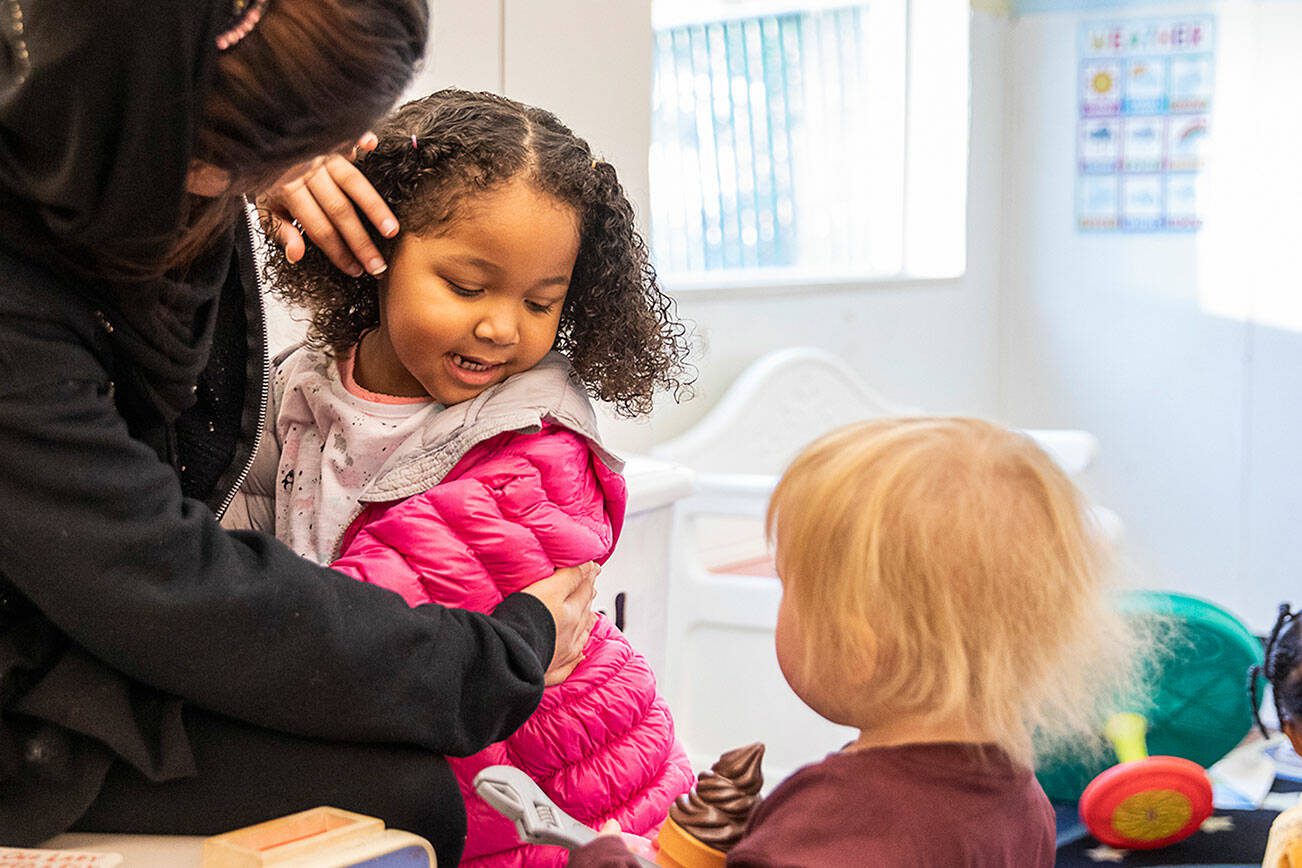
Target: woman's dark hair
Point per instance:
(618, 329)
(311, 77)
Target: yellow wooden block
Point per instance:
(318, 838)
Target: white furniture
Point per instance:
(633, 588)
(723, 682)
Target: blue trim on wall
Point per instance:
(1022, 7)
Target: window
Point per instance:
(807, 140)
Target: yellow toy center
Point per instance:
(1152, 814)
(1102, 82)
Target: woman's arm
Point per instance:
(94, 530)
(515, 508)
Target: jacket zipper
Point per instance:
(336, 549)
(265, 391)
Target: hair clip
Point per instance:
(14, 44)
(245, 15)
(414, 146)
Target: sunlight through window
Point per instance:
(809, 141)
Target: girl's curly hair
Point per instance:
(619, 330)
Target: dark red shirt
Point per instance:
(916, 805)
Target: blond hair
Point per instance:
(950, 569)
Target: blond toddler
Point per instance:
(945, 593)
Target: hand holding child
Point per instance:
(568, 594)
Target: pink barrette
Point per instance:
(245, 15)
(414, 146)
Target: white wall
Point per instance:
(1182, 353)
(465, 48)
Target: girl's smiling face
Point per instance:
(463, 309)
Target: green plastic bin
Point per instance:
(1198, 705)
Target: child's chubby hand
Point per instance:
(636, 844)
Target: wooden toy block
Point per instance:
(318, 838)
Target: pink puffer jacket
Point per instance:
(512, 510)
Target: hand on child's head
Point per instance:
(322, 200)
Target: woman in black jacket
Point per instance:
(158, 673)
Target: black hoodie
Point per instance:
(121, 598)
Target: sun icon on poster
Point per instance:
(1102, 81)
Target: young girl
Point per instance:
(1282, 667)
(943, 593)
(436, 438)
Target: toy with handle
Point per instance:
(1146, 801)
(537, 819)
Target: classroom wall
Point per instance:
(1183, 353)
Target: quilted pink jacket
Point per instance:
(512, 509)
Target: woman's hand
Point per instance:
(568, 594)
(323, 202)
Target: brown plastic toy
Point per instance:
(704, 824)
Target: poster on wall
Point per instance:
(1145, 95)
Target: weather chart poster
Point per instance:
(1145, 100)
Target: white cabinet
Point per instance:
(633, 589)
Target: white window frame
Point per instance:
(917, 151)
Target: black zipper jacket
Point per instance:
(122, 599)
